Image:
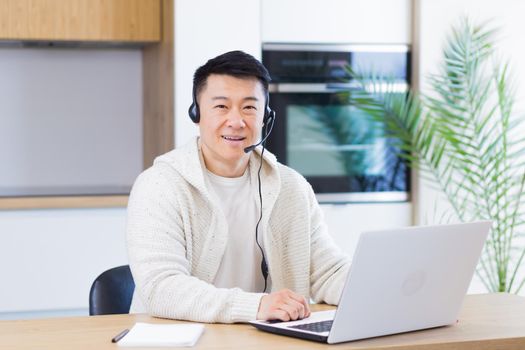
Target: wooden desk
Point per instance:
(489, 321)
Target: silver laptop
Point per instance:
(400, 280)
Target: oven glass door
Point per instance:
(340, 150)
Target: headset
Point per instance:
(268, 122)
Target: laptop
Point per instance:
(400, 280)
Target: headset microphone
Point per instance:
(271, 119)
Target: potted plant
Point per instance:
(464, 137)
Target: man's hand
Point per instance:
(283, 305)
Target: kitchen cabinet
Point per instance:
(80, 20)
(336, 21)
(157, 80)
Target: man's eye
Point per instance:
(220, 106)
(250, 107)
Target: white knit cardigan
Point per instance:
(177, 234)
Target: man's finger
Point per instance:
(292, 312)
(297, 306)
(299, 298)
(279, 314)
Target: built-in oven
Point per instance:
(343, 153)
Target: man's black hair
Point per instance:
(235, 63)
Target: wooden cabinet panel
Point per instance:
(17, 203)
(158, 90)
(81, 20)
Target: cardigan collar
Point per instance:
(189, 163)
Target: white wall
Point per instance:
(204, 29)
(436, 20)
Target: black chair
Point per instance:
(111, 292)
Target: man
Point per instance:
(197, 231)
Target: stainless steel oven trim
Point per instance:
(311, 87)
(329, 88)
(362, 197)
(336, 47)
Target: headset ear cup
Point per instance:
(193, 112)
(267, 115)
(270, 116)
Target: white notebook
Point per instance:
(148, 334)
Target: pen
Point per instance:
(119, 336)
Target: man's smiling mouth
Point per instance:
(233, 138)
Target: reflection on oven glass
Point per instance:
(391, 65)
(342, 141)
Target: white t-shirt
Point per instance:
(241, 264)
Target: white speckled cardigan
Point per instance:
(176, 237)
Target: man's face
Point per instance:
(231, 116)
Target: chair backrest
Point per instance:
(111, 292)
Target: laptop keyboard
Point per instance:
(317, 327)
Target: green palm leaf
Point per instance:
(464, 137)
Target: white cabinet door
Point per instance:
(49, 258)
(336, 21)
(347, 222)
